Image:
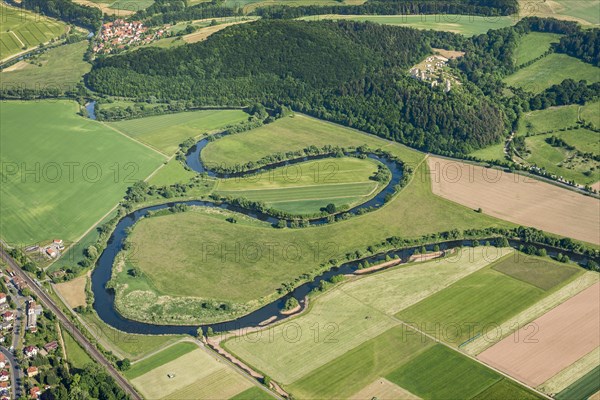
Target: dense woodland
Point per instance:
(348, 72)
(397, 7)
(66, 10)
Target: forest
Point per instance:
(340, 71)
(65, 10)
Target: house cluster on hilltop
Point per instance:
(431, 70)
(121, 34)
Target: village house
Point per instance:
(4, 387)
(2, 361)
(32, 315)
(58, 243)
(32, 371)
(30, 351)
(8, 316)
(19, 283)
(3, 298)
(6, 325)
(35, 392)
(51, 346)
(4, 375)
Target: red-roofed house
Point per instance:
(2, 298)
(32, 371)
(2, 361)
(4, 375)
(30, 351)
(35, 392)
(51, 346)
(8, 316)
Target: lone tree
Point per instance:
(331, 208)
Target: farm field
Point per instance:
(195, 374)
(204, 32)
(166, 132)
(172, 172)
(550, 119)
(62, 67)
(249, 5)
(21, 30)
(562, 162)
(584, 387)
(154, 361)
(552, 70)
(319, 353)
(253, 393)
(40, 201)
(73, 291)
(565, 334)
(582, 11)
(75, 354)
(345, 308)
(518, 199)
(483, 298)
(308, 187)
(533, 45)
(490, 153)
(463, 24)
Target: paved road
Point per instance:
(16, 373)
(79, 337)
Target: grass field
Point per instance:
(584, 387)
(591, 113)
(295, 133)
(75, 354)
(61, 172)
(483, 298)
(308, 187)
(166, 132)
(61, 67)
(533, 45)
(172, 172)
(254, 393)
(167, 355)
(73, 291)
(352, 308)
(582, 11)
(506, 389)
(491, 153)
(463, 24)
(562, 162)
(553, 118)
(249, 5)
(442, 373)
(552, 70)
(540, 272)
(21, 29)
(195, 374)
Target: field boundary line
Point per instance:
(16, 37)
(166, 156)
(436, 340)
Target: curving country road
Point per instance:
(49, 303)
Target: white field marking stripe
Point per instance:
(15, 35)
(321, 198)
(301, 186)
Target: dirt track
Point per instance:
(518, 199)
(552, 342)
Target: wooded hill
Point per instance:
(347, 72)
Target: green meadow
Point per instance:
(61, 173)
(552, 70)
(533, 45)
(156, 360)
(166, 132)
(75, 353)
(463, 24)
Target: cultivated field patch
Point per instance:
(537, 271)
(384, 390)
(442, 373)
(308, 187)
(561, 337)
(195, 371)
(588, 385)
(461, 311)
(506, 389)
(582, 11)
(73, 291)
(533, 45)
(166, 132)
(171, 353)
(517, 199)
(569, 377)
(67, 171)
